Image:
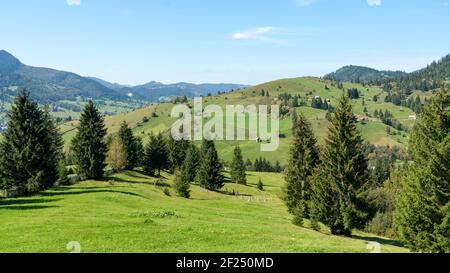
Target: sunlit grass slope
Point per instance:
(129, 212)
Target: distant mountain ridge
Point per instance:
(153, 91)
(360, 74)
(49, 85)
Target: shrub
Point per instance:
(298, 216)
(382, 224)
(260, 185)
(166, 192)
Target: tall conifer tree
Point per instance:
(177, 150)
(304, 157)
(132, 145)
(423, 207)
(192, 162)
(238, 168)
(89, 146)
(155, 158)
(210, 170)
(342, 175)
(30, 149)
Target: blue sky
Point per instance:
(239, 41)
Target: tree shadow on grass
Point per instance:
(88, 190)
(9, 202)
(382, 241)
(26, 207)
(137, 174)
(158, 182)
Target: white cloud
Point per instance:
(304, 3)
(374, 2)
(73, 2)
(254, 34)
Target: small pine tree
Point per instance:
(342, 175)
(314, 224)
(304, 157)
(182, 184)
(89, 146)
(117, 155)
(210, 170)
(298, 213)
(237, 172)
(155, 158)
(260, 185)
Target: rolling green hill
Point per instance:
(307, 88)
(129, 212)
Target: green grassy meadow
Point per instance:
(129, 212)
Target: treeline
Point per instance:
(348, 184)
(32, 160)
(429, 78)
(263, 165)
(388, 119)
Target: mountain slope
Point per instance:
(361, 74)
(428, 78)
(49, 85)
(373, 129)
(113, 86)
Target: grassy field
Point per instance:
(307, 88)
(129, 212)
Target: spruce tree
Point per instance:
(182, 184)
(341, 176)
(155, 157)
(210, 170)
(176, 152)
(132, 145)
(423, 207)
(192, 162)
(238, 169)
(304, 157)
(294, 119)
(30, 149)
(89, 146)
(54, 157)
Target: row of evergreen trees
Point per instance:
(388, 118)
(261, 164)
(329, 185)
(32, 160)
